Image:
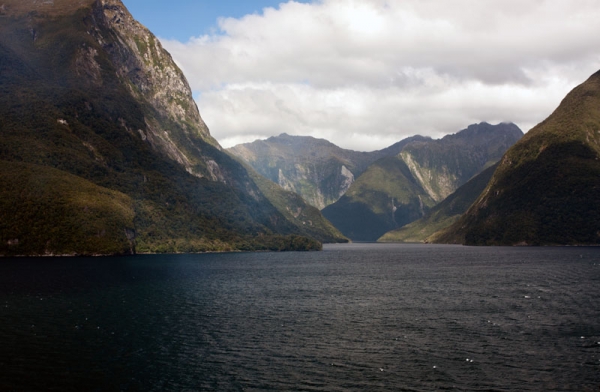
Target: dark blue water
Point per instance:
(353, 317)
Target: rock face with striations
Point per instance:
(103, 150)
(444, 213)
(441, 166)
(316, 169)
(398, 190)
(151, 76)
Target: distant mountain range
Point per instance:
(315, 169)
(103, 150)
(365, 194)
(400, 189)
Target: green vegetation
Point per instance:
(384, 197)
(45, 211)
(91, 184)
(545, 191)
(443, 214)
(396, 191)
(307, 218)
(142, 46)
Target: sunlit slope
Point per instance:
(384, 197)
(443, 214)
(398, 190)
(308, 219)
(546, 190)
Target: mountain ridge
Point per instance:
(316, 169)
(545, 191)
(431, 171)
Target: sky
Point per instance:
(365, 74)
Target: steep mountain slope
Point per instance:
(308, 219)
(547, 186)
(90, 93)
(384, 197)
(316, 169)
(431, 169)
(441, 166)
(443, 214)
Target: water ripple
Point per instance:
(353, 317)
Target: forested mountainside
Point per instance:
(443, 214)
(103, 150)
(547, 186)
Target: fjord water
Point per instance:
(377, 317)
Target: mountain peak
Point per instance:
(400, 188)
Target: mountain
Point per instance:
(103, 150)
(443, 214)
(384, 197)
(316, 169)
(442, 165)
(398, 190)
(308, 219)
(547, 186)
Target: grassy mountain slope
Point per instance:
(87, 90)
(384, 197)
(545, 191)
(316, 169)
(430, 169)
(443, 214)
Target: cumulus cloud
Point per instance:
(367, 73)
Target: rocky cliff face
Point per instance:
(316, 169)
(89, 97)
(397, 190)
(172, 120)
(141, 61)
(441, 166)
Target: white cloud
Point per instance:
(367, 73)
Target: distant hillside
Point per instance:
(316, 169)
(308, 219)
(547, 186)
(382, 198)
(441, 166)
(398, 190)
(444, 213)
